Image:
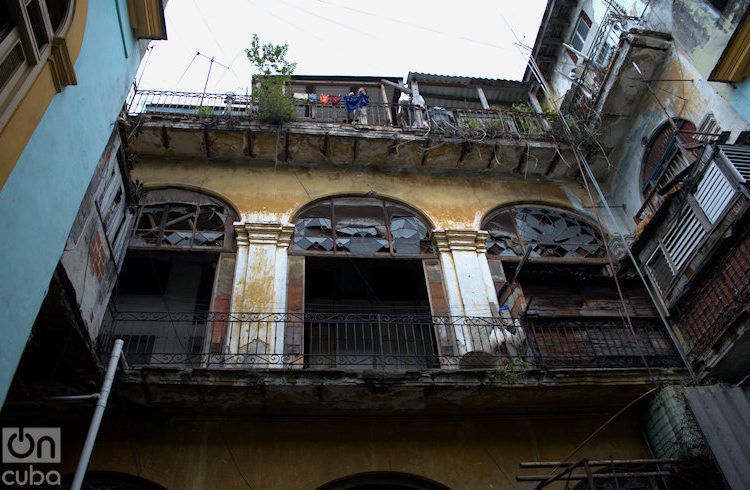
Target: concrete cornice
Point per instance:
(460, 240)
(267, 233)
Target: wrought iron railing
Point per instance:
(473, 123)
(383, 342)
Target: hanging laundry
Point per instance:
(300, 96)
(354, 102)
(335, 99)
(312, 98)
(324, 98)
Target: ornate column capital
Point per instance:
(240, 234)
(462, 240)
(441, 241)
(285, 236)
(481, 241)
(269, 234)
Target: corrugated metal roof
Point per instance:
(459, 91)
(723, 415)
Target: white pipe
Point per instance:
(96, 420)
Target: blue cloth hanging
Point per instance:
(354, 102)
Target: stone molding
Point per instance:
(461, 240)
(264, 234)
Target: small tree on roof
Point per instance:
(274, 106)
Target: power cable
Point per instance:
(340, 24)
(417, 26)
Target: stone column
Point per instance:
(260, 292)
(468, 284)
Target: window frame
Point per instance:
(582, 18)
(34, 56)
(387, 220)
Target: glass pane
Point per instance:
(502, 238)
(37, 23)
(360, 226)
(554, 233)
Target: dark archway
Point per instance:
(383, 481)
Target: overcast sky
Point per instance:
(334, 37)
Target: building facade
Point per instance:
(433, 289)
(66, 69)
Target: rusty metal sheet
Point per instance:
(723, 415)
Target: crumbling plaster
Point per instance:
(264, 195)
(692, 100)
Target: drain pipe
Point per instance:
(96, 420)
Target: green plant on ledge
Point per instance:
(513, 372)
(275, 106)
(205, 111)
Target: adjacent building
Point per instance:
(66, 68)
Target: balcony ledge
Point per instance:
(242, 390)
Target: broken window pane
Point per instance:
(361, 226)
(198, 221)
(548, 232)
(503, 239)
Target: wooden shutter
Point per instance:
(295, 305)
(221, 299)
(439, 306)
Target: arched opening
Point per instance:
(383, 481)
(542, 232)
(559, 283)
(176, 277)
(662, 160)
(361, 264)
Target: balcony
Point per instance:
(356, 342)
(225, 127)
(680, 234)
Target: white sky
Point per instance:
(334, 37)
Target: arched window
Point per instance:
(182, 219)
(662, 160)
(547, 232)
(361, 226)
(30, 34)
(389, 480)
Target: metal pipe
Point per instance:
(73, 397)
(96, 420)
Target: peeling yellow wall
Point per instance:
(462, 453)
(262, 194)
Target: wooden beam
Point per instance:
(206, 143)
(552, 164)
(164, 137)
(385, 101)
(493, 157)
(425, 151)
(465, 150)
(482, 98)
(249, 151)
(405, 90)
(326, 147)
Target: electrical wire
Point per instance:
(416, 26)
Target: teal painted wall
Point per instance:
(41, 198)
